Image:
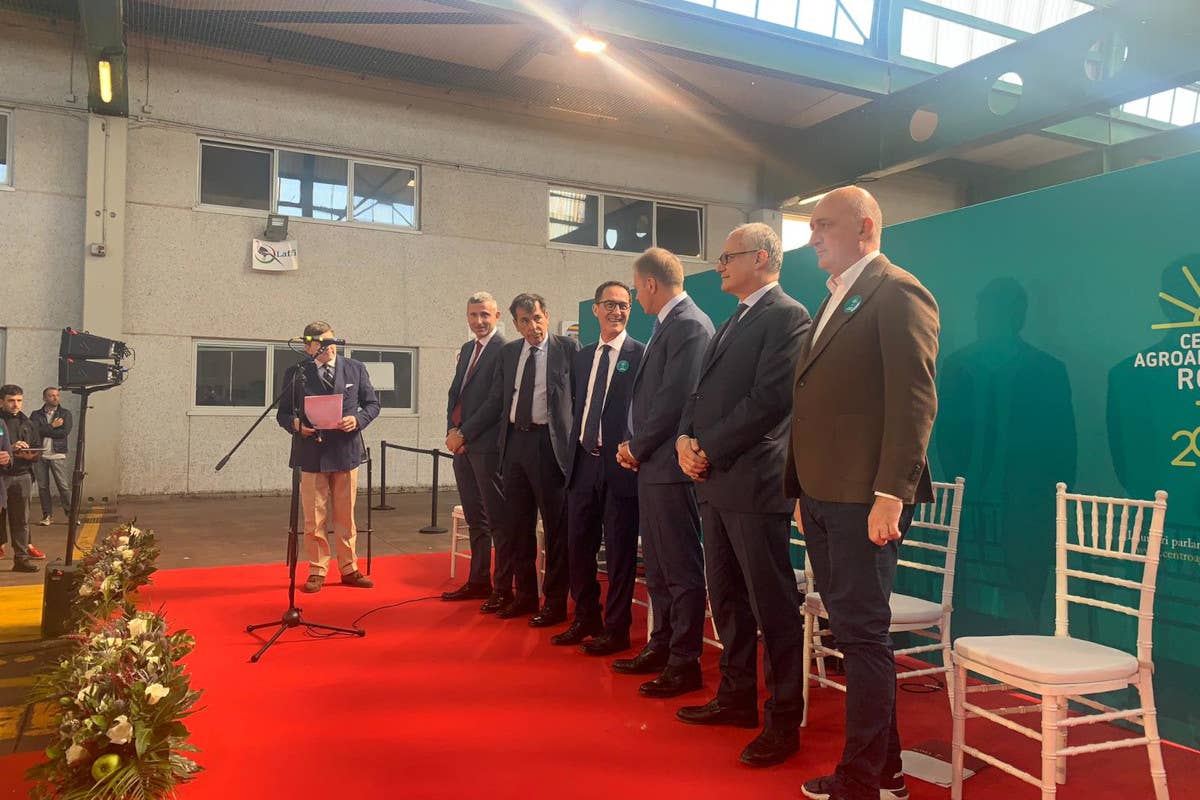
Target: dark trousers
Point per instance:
(532, 483)
(14, 517)
(477, 476)
(669, 522)
(594, 511)
(752, 587)
(53, 468)
(855, 578)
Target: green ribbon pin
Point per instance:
(852, 304)
(622, 366)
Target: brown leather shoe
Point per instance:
(357, 580)
(313, 584)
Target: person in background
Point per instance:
(19, 435)
(55, 424)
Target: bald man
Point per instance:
(863, 404)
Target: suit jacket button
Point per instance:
(800, 384)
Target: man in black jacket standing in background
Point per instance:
(55, 424)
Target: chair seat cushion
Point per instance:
(906, 610)
(1048, 659)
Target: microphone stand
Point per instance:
(292, 617)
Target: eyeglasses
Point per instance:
(725, 258)
(613, 305)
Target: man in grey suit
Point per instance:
(668, 516)
(733, 440)
(477, 468)
(532, 398)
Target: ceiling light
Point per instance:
(105, 69)
(816, 198)
(587, 44)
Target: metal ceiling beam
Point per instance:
(1160, 42)
(104, 31)
(722, 38)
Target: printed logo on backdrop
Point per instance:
(1184, 358)
(274, 256)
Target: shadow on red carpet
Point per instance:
(439, 701)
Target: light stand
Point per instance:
(84, 392)
(292, 617)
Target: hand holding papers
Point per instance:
(324, 411)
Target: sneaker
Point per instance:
(313, 584)
(46, 520)
(893, 788)
(24, 566)
(357, 580)
(823, 788)
(36, 554)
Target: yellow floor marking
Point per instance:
(16, 683)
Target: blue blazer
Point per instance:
(337, 451)
(613, 418)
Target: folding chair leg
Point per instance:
(959, 736)
(1158, 772)
(1050, 711)
(1060, 769)
(948, 662)
(649, 617)
(806, 657)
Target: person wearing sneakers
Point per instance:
(328, 459)
(19, 434)
(55, 423)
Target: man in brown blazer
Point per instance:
(863, 405)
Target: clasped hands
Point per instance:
(692, 459)
(455, 442)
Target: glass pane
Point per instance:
(385, 195)
(312, 186)
(1137, 107)
(282, 358)
(626, 224)
(401, 362)
(679, 230)
(234, 176)
(743, 7)
(1184, 112)
(781, 12)
(573, 217)
(918, 36)
(796, 232)
(862, 12)
(816, 16)
(230, 376)
(702, 2)
(3, 148)
(844, 30)
(1160, 106)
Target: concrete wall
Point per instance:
(483, 209)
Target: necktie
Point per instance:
(327, 375)
(524, 416)
(456, 414)
(591, 427)
(733, 321)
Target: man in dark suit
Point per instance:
(863, 407)
(328, 459)
(532, 397)
(668, 518)
(477, 468)
(601, 496)
(733, 442)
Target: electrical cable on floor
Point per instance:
(365, 614)
(917, 687)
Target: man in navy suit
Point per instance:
(477, 468)
(601, 496)
(669, 519)
(532, 398)
(733, 441)
(328, 459)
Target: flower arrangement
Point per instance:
(118, 698)
(116, 566)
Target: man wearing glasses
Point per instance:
(601, 496)
(733, 443)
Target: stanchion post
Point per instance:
(383, 506)
(433, 526)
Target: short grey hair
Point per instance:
(760, 236)
(482, 297)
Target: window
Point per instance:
(308, 185)
(627, 224)
(247, 375)
(846, 20)
(796, 232)
(5, 149)
(926, 36)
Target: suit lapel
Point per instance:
(658, 332)
(727, 336)
(866, 285)
(619, 378)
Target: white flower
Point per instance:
(156, 692)
(85, 590)
(121, 732)
(74, 753)
(123, 540)
(137, 627)
(128, 554)
(116, 564)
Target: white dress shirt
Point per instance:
(540, 403)
(839, 287)
(757, 295)
(614, 355)
(484, 342)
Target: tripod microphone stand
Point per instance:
(292, 617)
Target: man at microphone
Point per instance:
(328, 459)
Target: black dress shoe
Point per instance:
(469, 591)
(549, 615)
(713, 713)
(494, 603)
(518, 607)
(606, 644)
(647, 662)
(673, 681)
(771, 747)
(580, 629)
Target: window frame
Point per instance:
(268, 346)
(6, 185)
(654, 201)
(274, 150)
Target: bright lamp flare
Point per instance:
(586, 44)
(106, 81)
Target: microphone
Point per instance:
(324, 342)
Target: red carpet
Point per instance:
(439, 701)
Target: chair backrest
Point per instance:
(1114, 529)
(935, 528)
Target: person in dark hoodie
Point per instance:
(19, 435)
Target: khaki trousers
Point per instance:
(325, 495)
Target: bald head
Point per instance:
(846, 225)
